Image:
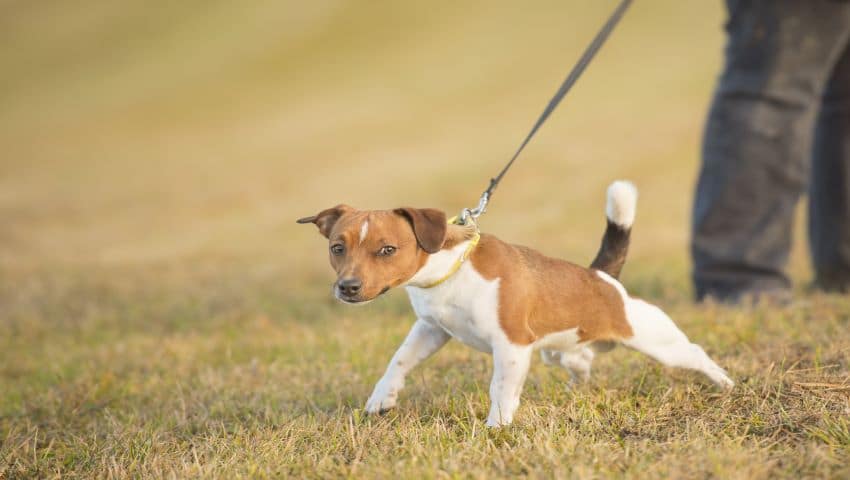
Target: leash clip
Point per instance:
(467, 214)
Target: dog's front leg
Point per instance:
(423, 340)
(510, 367)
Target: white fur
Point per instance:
(656, 335)
(437, 266)
(565, 340)
(423, 340)
(577, 360)
(465, 307)
(563, 348)
(622, 203)
(364, 230)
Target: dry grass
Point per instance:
(163, 316)
(114, 373)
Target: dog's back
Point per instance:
(541, 295)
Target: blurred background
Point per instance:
(192, 134)
(161, 313)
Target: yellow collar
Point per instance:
(459, 262)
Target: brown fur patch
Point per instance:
(343, 225)
(429, 226)
(539, 295)
(326, 219)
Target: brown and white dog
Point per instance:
(505, 299)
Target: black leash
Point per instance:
(568, 83)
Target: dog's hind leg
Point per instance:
(576, 361)
(423, 340)
(656, 335)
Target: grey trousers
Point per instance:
(779, 123)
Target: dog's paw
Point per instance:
(722, 380)
(379, 406)
(497, 422)
(719, 376)
(500, 417)
(383, 398)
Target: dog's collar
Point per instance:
(473, 242)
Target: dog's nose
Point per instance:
(349, 286)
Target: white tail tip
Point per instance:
(622, 203)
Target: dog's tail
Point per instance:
(620, 210)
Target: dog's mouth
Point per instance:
(353, 301)
(357, 300)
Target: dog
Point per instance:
(502, 299)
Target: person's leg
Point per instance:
(755, 151)
(829, 202)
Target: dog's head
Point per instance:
(376, 250)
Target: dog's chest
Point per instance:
(465, 306)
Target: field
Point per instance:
(161, 314)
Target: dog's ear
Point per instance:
(429, 226)
(326, 219)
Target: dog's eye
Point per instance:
(337, 249)
(386, 251)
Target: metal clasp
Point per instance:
(466, 214)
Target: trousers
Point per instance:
(779, 126)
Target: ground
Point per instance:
(163, 315)
(117, 373)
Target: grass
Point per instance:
(163, 316)
(118, 374)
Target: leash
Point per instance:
(467, 215)
(471, 215)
